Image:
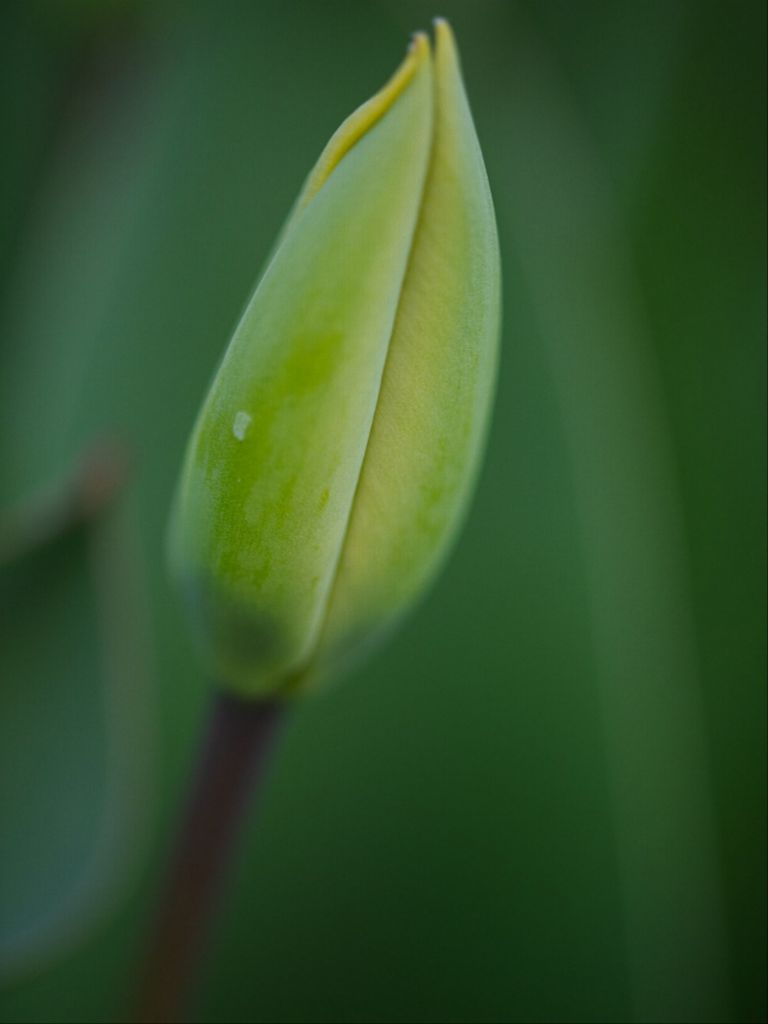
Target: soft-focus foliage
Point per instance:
(546, 799)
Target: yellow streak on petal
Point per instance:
(363, 119)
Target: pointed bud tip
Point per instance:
(365, 117)
(445, 41)
(419, 44)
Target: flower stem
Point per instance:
(231, 765)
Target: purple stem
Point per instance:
(231, 768)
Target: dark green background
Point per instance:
(546, 799)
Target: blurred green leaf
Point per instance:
(74, 725)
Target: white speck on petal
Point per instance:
(241, 424)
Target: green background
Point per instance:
(545, 800)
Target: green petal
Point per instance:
(274, 461)
(430, 423)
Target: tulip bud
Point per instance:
(337, 448)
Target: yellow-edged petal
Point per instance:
(274, 461)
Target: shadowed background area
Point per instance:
(545, 800)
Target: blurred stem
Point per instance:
(81, 497)
(231, 766)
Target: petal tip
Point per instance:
(444, 37)
(419, 45)
(366, 116)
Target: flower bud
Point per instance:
(337, 448)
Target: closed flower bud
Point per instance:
(337, 448)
